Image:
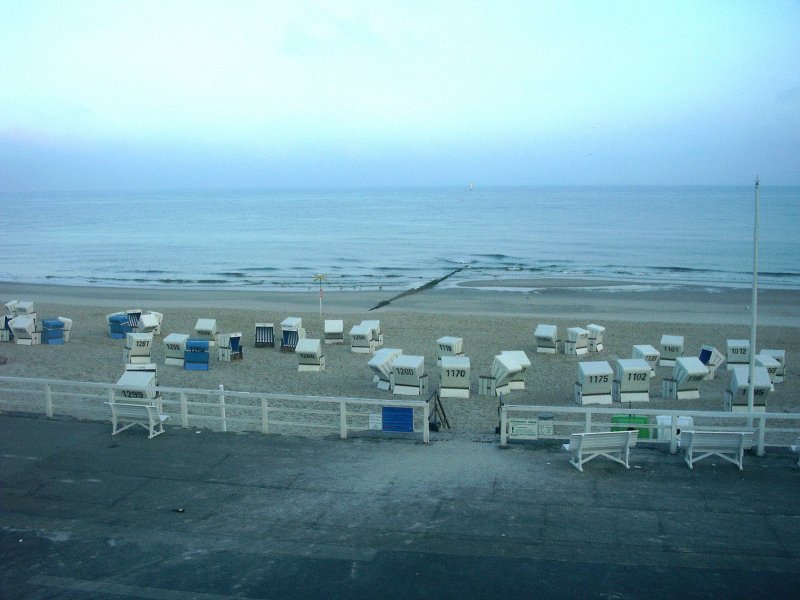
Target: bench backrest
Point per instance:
(713, 440)
(610, 440)
(134, 410)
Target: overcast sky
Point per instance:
(167, 94)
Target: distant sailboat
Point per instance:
(471, 186)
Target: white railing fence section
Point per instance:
(559, 422)
(221, 409)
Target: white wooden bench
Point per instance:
(128, 414)
(614, 445)
(728, 445)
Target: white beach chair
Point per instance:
(455, 377)
(684, 384)
(737, 352)
(631, 380)
(408, 375)
(546, 339)
(671, 349)
(309, 355)
(594, 382)
(736, 397)
(334, 331)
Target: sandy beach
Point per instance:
(489, 316)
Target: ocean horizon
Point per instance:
(400, 238)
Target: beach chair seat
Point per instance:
(265, 335)
(289, 341)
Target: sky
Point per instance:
(115, 95)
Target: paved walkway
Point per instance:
(216, 515)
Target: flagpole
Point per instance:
(753, 314)
(320, 277)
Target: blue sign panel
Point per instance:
(398, 419)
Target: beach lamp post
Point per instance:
(753, 314)
(320, 277)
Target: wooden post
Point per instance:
(343, 420)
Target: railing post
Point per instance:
(222, 407)
(264, 415)
(184, 411)
(762, 429)
(48, 401)
(426, 429)
(588, 422)
(673, 436)
(503, 427)
(343, 419)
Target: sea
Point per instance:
(401, 238)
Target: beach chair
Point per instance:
(138, 347)
(23, 326)
(577, 341)
(449, 346)
(361, 339)
(174, 348)
(265, 335)
(631, 381)
(780, 356)
(381, 365)
(737, 352)
(596, 335)
(517, 380)
(67, 327)
(334, 331)
(671, 349)
(291, 332)
(649, 354)
(684, 384)
(52, 331)
(196, 355)
(309, 355)
(229, 347)
(736, 397)
(770, 364)
(594, 383)
(712, 359)
(455, 377)
(504, 368)
(546, 339)
(205, 329)
(118, 325)
(408, 375)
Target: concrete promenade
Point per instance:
(197, 514)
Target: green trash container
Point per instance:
(631, 422)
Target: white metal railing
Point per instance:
(218, 409)
(587, 418)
